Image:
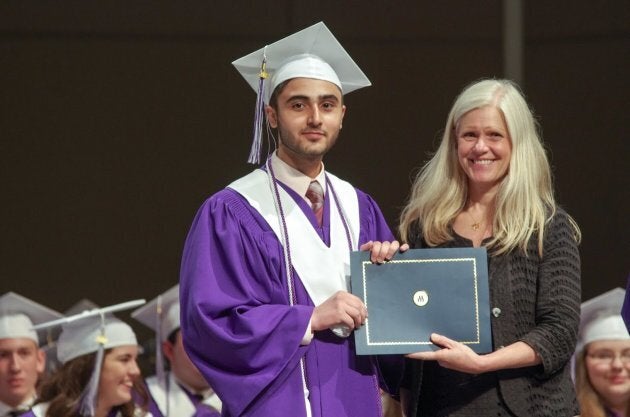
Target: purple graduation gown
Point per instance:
(28, 413)
(240, 330)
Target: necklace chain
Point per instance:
(475, 224)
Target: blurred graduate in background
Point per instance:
(602, 359)
(182, 391)
(22, 362)
(99, 375)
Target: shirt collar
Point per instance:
(5, 409)
(204, 393)
(293, 178)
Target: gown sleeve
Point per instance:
(373, 224)
(238, 326)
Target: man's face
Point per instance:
(308, 117)
(21, 363)
(182, 366)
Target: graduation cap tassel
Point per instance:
(159, 357)
(88, 397)
(254, 153)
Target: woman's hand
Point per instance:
(459, 357)
(383, 251)
(453, 355)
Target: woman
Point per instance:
(99, 376)
(602, 360)
(489, 184)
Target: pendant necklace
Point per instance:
(476, 224)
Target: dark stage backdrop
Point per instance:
(119, 118)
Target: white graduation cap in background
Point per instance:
(88, 332)
(310, 53)
(162, 315)
(18, 314)
(600, 318)
(80, 306)
(52, 361)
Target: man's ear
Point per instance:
(272, 116)
(41, 361)
(167, 350)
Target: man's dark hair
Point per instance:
(172, 337)
(273, 100)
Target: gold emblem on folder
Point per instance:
(420, 298)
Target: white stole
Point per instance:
(322, 270)
(175, 400)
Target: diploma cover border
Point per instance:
(435, 260)
(469, 261)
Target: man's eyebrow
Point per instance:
(329, 97)
(320, 97)
(297, 97)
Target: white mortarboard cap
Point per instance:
(161, 314)
(81, 337)
(600, 318)
(92, 331)
(80, 306)
(18, 314)
(313, 52)
(82, 333)
(52, 361)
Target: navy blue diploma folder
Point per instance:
(419, 292)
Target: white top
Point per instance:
(175, 402)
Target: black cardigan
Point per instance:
(539, 302)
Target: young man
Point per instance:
(21, 360)
(182, 392)
(265, 307)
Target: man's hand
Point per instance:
(383, 251)
(342, 308)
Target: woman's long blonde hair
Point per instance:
(524, 201)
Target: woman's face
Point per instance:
(118, 373)
(608, 369)
(484, 146)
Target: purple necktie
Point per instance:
(315, 194)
